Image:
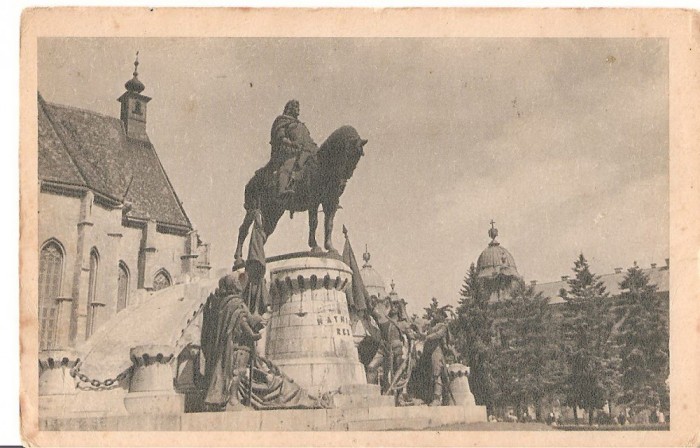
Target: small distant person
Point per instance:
(661, 418)
(550, 418)
(621, 418)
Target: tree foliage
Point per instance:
(435, 309)
(473, 338)
(588, 351)
(643, 339)
(525, 370)
(588, 348)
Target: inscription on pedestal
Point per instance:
(310, 336)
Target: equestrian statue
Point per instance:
(300, 176)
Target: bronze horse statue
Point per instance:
(322, 182)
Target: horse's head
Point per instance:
(341, 153)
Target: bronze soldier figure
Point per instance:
(228, 335)
(291, 145)
(435, 342)
(389, 355)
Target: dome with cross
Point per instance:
(495, 260)
(374, 283)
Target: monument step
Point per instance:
(362, 401)
(389, 423)
(369, 389)
(353, 419)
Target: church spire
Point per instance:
(133, 109)
(134, 85)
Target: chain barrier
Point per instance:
(109, 382)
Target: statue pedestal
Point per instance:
(459, 384)
(309, 334)
(57, 387)
(151, 387)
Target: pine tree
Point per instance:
(643, 338)
(586, 330)
(524, 361)
(435, 308)
(473, 338)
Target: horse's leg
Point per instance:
(242, 235)
(329, 210)
(313, 225)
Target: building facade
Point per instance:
(111, 226)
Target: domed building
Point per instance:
(374, 283)
(496, 266)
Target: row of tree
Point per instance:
(587, 352)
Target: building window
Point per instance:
(92, 291)
(122, 287)
(161, 280)
(50, 273)
(137, 107)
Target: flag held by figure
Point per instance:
(357, 294)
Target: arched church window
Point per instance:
(137, 107)
(50, 273)
(92, 291)
(161, 280)
(122, 287)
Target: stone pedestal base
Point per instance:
(151, 387)
(318, 375)
(309, 335)
(56, 405)
(361, 396)
(380, 418)
(459, 384)
(154, 402)
(57, 387)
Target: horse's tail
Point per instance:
(252, 192)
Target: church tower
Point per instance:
(133, 113)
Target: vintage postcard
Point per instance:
(394, 227)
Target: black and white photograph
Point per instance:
(338, 233)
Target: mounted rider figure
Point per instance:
(291, 145)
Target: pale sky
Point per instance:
(563, 142)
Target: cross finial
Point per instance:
(366, 256)
(493, 232)
(136, 64)
(393, 285)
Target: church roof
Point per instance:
(86, 149)
(495, 260)
(658, 276)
